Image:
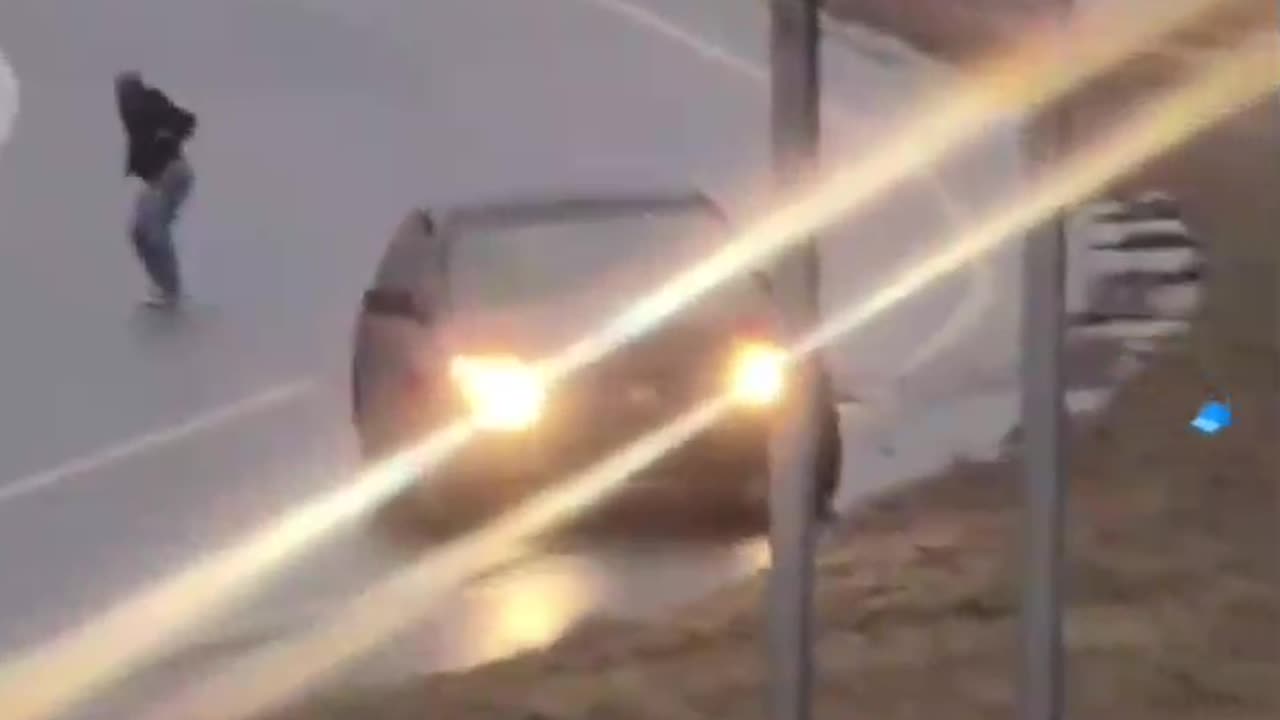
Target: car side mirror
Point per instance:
(428, 222)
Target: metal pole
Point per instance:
(792, 494)
(1041, 691)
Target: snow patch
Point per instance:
(892, 436)
(974, 428)
(1132, 329)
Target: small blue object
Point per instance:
(1214, 417)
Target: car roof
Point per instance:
(426, 232)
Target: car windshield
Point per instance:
(560, 272)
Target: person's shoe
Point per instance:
(158, 298)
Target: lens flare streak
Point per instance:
(266, 681)
(60, 674)
(1237, 79)
(1029, 76)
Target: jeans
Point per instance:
(154, 213)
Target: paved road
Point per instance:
(130, 441)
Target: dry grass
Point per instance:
(1174, 608)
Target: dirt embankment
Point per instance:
(1174, 597)
(964, 32)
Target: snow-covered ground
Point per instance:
(908, 427)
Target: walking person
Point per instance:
(156, 130)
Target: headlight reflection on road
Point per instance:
(263, 682)
(62, 673)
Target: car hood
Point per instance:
(528, 332)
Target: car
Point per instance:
(468, 304)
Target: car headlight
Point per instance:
(502, 393)
(758, 375)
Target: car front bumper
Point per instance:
(496, 470)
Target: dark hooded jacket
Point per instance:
(155, 127)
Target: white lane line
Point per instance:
(8, 98)
(275, 395)
(700, 45)
(977, 301)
